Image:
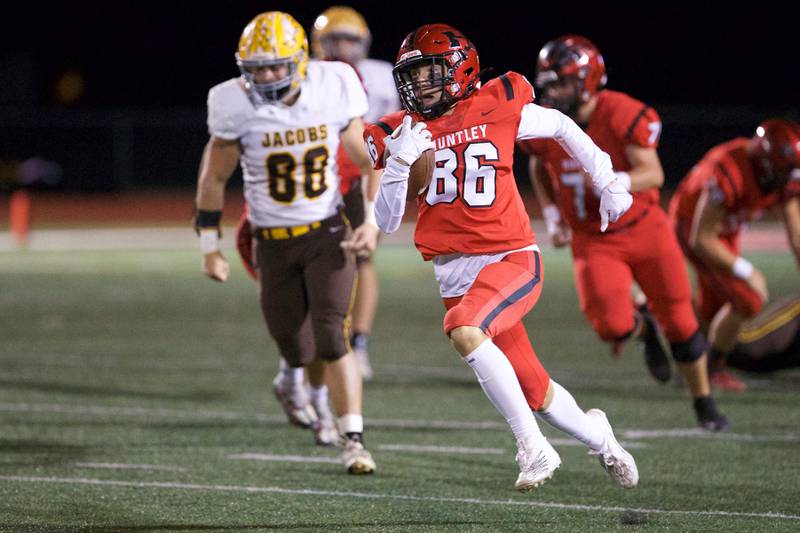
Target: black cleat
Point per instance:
(656, 347)
(708, 416)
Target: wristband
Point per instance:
(369, 212)
(625, 179)
(209, 240)
(742, 268)
(207, 219)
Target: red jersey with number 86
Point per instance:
(472, 205)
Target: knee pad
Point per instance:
(689, 350)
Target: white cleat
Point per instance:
(537, 461)
(356, 459)
(362, 356)
(618, 463)
(324, 428)
(295, 401)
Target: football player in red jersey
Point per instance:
(642, 247)
(472, 224)
(733, 184)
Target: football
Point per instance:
(421, 173)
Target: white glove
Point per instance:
(407, 143)
(614, 202)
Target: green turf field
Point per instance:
(131, 387)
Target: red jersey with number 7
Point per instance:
(472, 205)
(617, 121)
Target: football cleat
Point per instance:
(617, 463)
(708, 416)
(537, 460)
(356, 459)
(722, 379)
(295, 401)
(324, 428)
(656, 347)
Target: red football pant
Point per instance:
(715, 287)
(648, 252)
(501, 295)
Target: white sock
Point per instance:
(564, 414)
(350, 424)
(320, 395)
(297, 375)
(500, 384)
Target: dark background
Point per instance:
(115, 91)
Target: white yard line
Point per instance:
(284, 458)
(396, 497)
(484, 451)
(629, 444)
(440, 449)
(697, 433)
(124, 466)
(480, 425)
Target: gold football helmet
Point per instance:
(340, 33)
(271, 39)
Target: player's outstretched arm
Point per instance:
(539, 122)
(219, 160)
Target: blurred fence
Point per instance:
(131, 149)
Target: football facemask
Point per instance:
(422, 83)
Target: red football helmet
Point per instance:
(776, 153)
(453, 73)
(574, 61)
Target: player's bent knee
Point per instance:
(466, 338)
(331, 345)
(455, 317)
(331, 355)
(610, 332)
(689, 350)
(291, 351)
(750, 306)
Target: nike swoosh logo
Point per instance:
(487, 112)
(334, 229)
